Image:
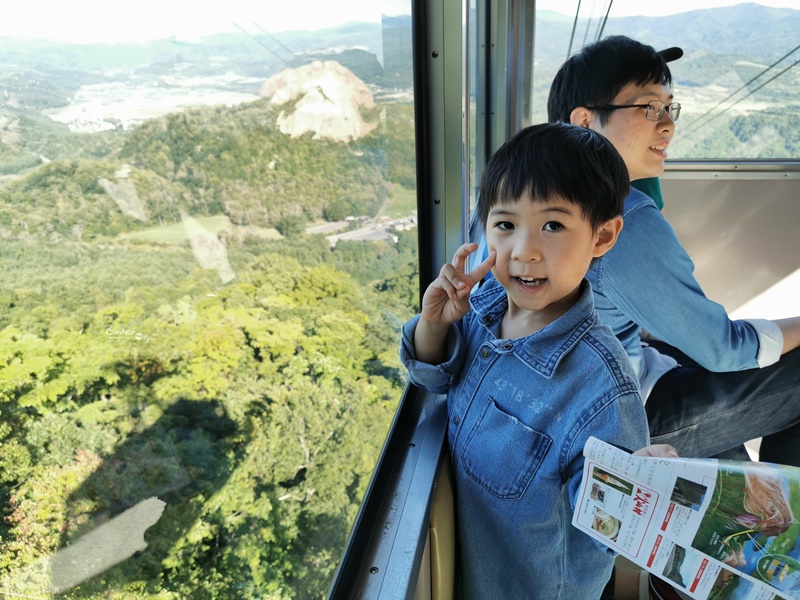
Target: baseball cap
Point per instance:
(670, 54)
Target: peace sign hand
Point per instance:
(447, 298)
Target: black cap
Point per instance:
(670, 54)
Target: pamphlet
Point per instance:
(711, 528)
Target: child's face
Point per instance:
(543, 252)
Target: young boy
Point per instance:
(529, 371)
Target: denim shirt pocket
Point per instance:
(502, 454)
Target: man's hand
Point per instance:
(657, 451)
(790, 328)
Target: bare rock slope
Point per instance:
(323, 98)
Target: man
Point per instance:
(732, 380)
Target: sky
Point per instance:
(143, 20)
(628, 8)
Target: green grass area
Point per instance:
(264, 233)
(402, 202)
(177, 233)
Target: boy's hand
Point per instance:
(447, 298)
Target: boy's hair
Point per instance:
(595, 76)
(557, 159)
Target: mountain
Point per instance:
(324, 99)
(748, 30)
(725, 49)
(256, 163)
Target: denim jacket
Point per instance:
(519, 413)
(646, 281)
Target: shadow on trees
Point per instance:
(182, 460)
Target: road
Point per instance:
(370, 230)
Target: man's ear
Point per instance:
(581, 116)
(606, 236)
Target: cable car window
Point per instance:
(208, 222)
(474, 45)
(737, 82)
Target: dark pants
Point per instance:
(705, 414)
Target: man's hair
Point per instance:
(595, 76)
(551, 160)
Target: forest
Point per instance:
(254, 408)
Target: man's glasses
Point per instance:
(655, 109)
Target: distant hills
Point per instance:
(209, 161)
(713, 39)
(39, 75)
(235, 161)
(748, 29)
(737, 72)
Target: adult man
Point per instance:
(733, 380)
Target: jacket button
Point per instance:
(456, 419)
(485, 352)
(508, 346)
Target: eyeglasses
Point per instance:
(655, 109)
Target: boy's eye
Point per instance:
(504, 226)
(553, 226)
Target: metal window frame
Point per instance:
(511, 29)
(384, 552)
(731, 169)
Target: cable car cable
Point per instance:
(588, 23)
(732, 94)
(574, 25)
(262, 44)
(744, 97)
(599, 29)
(276, 40)
(605, 20)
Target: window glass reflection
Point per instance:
(209, 243)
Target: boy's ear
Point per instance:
(606, 236)
(581, 116)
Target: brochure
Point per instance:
(711, 528)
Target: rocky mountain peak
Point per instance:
(322, 97)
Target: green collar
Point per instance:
(652, 187)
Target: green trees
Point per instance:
(290, 225)
(256, 411)
(216, 160)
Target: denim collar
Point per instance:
(635, 199)
(543, 350)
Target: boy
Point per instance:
(529, 371)
(737, 380)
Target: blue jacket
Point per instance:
(646, 281)
(520, 412)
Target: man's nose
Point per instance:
(666, 123)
